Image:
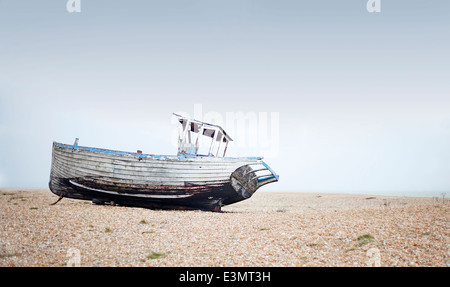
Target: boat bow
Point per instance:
(248, 178)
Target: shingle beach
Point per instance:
(269, 229)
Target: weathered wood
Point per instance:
(59, 199)
(157, 181)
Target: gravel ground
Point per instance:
(270, 229)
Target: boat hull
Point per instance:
(153, 181)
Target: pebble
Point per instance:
(269, 229)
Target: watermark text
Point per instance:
(255, 130)
(73, 6)
(373, 6)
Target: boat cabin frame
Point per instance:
(192, 130)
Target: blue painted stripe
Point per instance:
(101, 150)
(273, 173)
(267, 177)
(135, 154)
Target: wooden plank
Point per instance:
(160, 163)
(93, 169)
(68, 167)
(150, 167)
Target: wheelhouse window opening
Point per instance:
(204, 144)
(201, 139)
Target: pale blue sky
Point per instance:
(363, 98)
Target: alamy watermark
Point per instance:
(74, 255)
(257, 130)
(73, 6)
(373, 6)
(373, 257)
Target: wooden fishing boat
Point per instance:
(187, 180)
